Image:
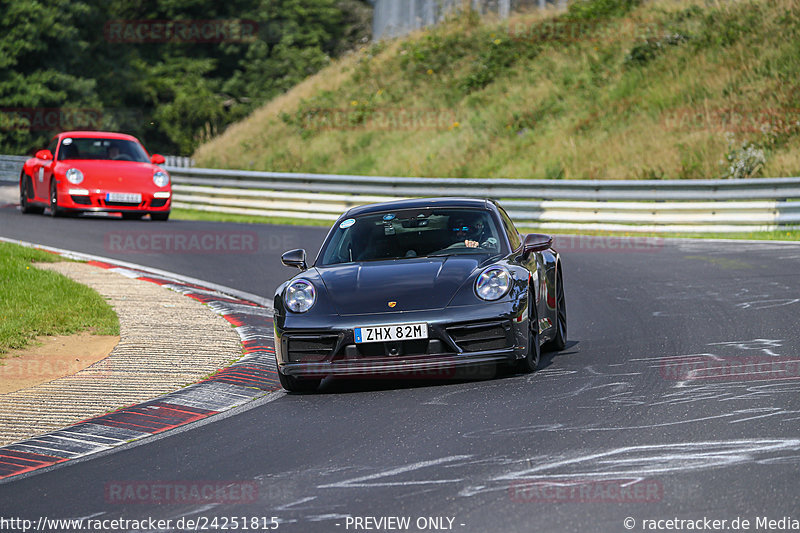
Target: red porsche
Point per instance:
(95, 171)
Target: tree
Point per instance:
(172, 93)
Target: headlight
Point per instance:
(493, 283)
(74, 176)
(161, 178)
(300, 296)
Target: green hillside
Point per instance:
(609, 89)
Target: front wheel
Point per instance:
(559, 342)
(530, 362)
(162, 216)
(293, 384)
(55, 211)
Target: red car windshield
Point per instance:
(102, 149)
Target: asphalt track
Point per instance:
(677, 398)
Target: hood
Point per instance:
(114, 175)
(414, 284)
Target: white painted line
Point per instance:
(212, 396)
(360, 481)
(128, 273)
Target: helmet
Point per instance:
(465, 226)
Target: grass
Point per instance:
(611, 89)
(196, 214)
(37, 302)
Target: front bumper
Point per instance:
(461, 366)
(460, 340)
(79, 199)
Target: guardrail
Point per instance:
(179, 161)
(666, 206)
(761, 204)
(10, 167)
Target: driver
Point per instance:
(112, 151)
(465, 231)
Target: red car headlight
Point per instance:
(161, 178)
(74, 176)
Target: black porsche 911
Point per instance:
(404, 287)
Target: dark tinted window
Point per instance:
(412, 233)
(104, 149)
(52, 146)
(513, 234)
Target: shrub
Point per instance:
(743, 161)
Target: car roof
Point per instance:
(418, 203)
(97, 134)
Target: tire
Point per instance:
(25, 185)
(132, 216)
(293, 384)
(163, 216)
(55, 211)
(559, 342)
(530, 362)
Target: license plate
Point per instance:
(128, 197)
(395, 332)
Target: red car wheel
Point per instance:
(55, 211)
(25, 188)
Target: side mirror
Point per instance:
(157, 159)
(295, 258)
(536, 242)
(44, 154)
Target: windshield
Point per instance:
(412, 233)
(104, 149)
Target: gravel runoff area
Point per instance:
(166, 341)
